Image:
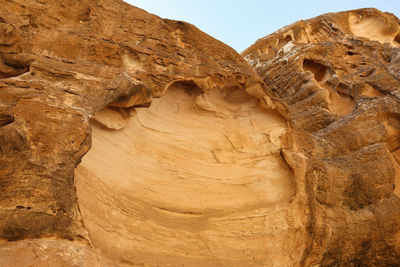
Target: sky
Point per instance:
(239, 23)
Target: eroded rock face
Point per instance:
(196, 178)
(61, 63)
(336, 80)
(190, 156)
(47, 252)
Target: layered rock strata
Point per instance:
(192, 156)
(196, 178)
(336, 80)
(62, 63)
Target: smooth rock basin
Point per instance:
(196, 178)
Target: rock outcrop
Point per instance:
(336, 80)
(130, 140)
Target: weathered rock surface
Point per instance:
(47, 252)
(193, 178)
(335, 79)
(190, 156)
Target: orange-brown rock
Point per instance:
(336, 80)
(130, 140)
(61, 63)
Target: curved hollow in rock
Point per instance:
(317, 69)
(374, 28)
(195, 175)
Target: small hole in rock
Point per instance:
(284, 41)
(6, 119)
(13, 66)
(317, 69)
(397, 38)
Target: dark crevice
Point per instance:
(6, 119)
(7, 74)
(22, 207)
(397, 38)
(284, 41)
(12, 67)
(317, 69)
(190, 87)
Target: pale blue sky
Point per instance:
(239, 23)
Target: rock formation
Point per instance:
(335, 79)
(130, 140)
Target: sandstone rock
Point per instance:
(66, 62)
(193, 178)
(63, 63)
(335, 79)
(47, 252)
(190, 156)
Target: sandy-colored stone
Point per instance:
(197, 178)
(48, 252)
(61, 63)
(130, 140)
(336, 80)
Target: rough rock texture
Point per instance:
(61, 62)
(47, 252)
(291, 163)
(335, 79)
